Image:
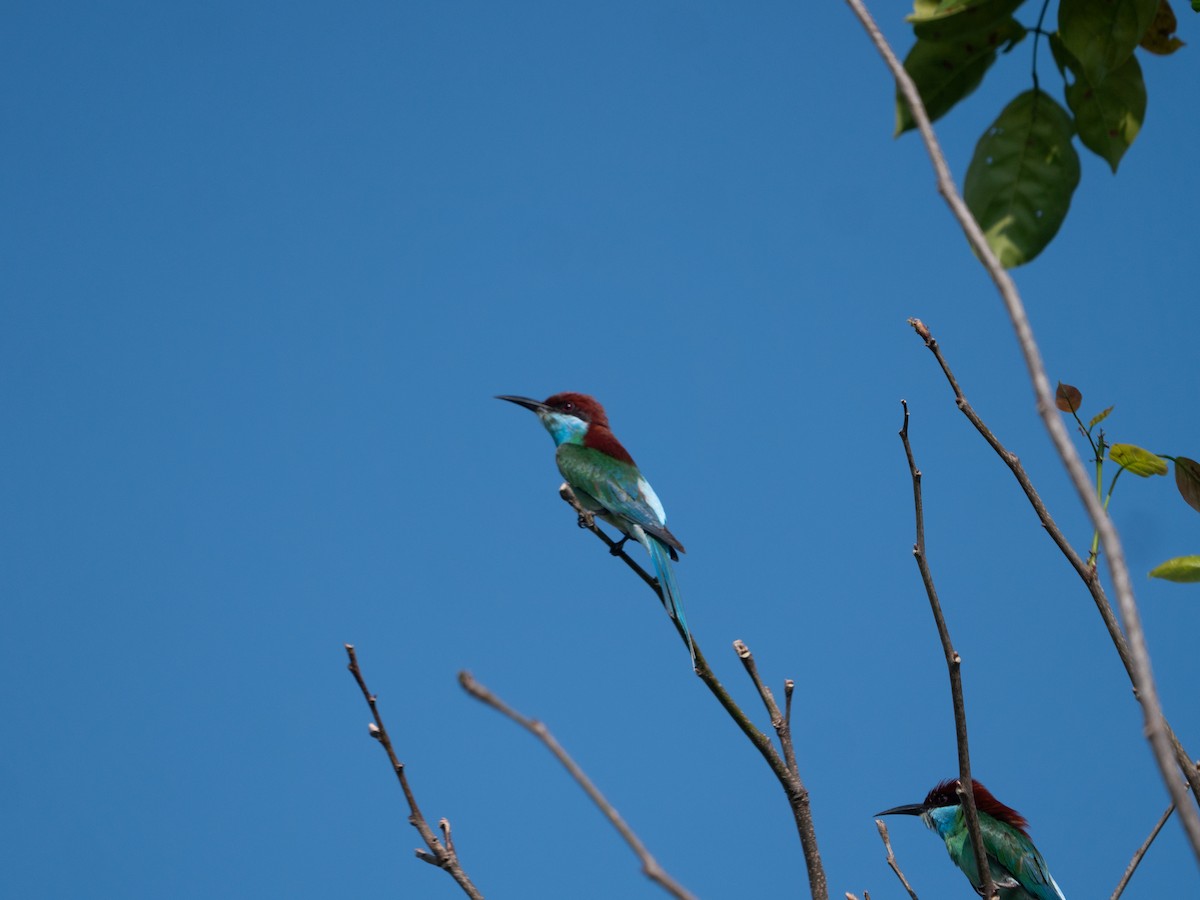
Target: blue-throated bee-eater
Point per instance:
(1017, 868)
(606, 482)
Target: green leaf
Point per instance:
(1182, 569)
(942, 21)
(1021, 179)
(1099, 417)
(1187, 479)
(922, 9)
(947, 71)
(1136, 460)
(1108, 116)
(1101, 34)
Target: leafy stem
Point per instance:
(1037, 33)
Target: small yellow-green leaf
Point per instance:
(1099, 417)
(1102, 35)
(1182, 569)
(1067, 397)
(1109, 115)
(1022, 176)
(1187, 479)
(947, 71)
(934, 21)
(1160, 36)
(1136, 460)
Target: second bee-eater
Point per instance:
(606, 481)
(1017, 868)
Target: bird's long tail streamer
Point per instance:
(666, 580)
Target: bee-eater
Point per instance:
(1016, 866)
(606, 481)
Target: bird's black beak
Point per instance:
(535, 405)
(912, 809)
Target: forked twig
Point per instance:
(777, 718)
(1143, 675)
(782, 724)
(444, 856)
(954, 665)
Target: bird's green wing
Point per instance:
(616, 486)
(1011, 853)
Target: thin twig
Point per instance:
(1147, 693)
(891, 858)
(793, 787)
(954, 665)
(782, 724)
(780, 721)
(1086, 572)
(441, 855)
(650, 866)
(1141, 851)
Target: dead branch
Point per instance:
(954, 665)
(650, 867)
(442, 855)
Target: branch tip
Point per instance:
(650, 866)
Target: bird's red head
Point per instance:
(945, 793)
(599, 434)
(581, 406)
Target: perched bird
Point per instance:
(1016, 866)
(606, 481)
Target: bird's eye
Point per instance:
(568, 406)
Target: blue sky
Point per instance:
(265, 267)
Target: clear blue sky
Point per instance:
(265, 266)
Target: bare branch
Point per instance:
(441, 855)
(891, 858)
(650, 866)
(1143, 675)
(782, 725)
(779, 721)
(1086, 573)
(954, 665)
(789, 780)
(1141, 851)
